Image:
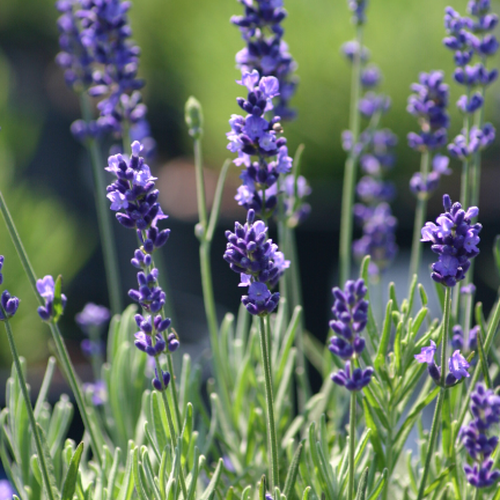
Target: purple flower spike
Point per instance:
(172, 342)
(427, 354)
(260, 149)
(428, 103)
(91, 348)
(9, 305)
(485, 409)
(481, 475)
(98, 391)
(258, 262)
(266, 54)
(378, 240)
(134, 197)
(161, 385)
(98, 56)
(260, 301)
(358, 7)
(46, 288)
(92, 316)
(350, 312)
(355, 381)
(455, 240)
(458, 366)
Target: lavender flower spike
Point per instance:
(485, 409)
(455, 240)
(266, 52)
(9, 303)
(259, 263)
(92, 316)
(259, 148)
(51, 311)
(457, 364)
(350, 312)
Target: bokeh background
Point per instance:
(188, 48)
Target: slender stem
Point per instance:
(476, 164)
(103, 217)
(31, 415)
(200, 184)
(388, 447)
(21, 252)
(420, 214)
(171, 427)
(173, 391)
(430, 449)
(62, 352)
(271, 428)
(446, 328)
(465, 187)
(477, 494)
(206, 272)
(436, 421)
(304, 390)
(352, 444)
(350, 166)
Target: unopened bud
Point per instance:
(194, 117)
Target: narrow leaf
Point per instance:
(384, 341)
(69, 483)
(362, 485)
(48, 461)
(378, 486)
(292, 472)
(209, 493)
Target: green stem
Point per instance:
(173, 391)
(436, 421)
(171, 427)
(200, 184)
(388, 448)
(62, 352)
(446, 328)
(31, 415)
(350, 167)
(352, 445)
(206, 271)
(304, 390)
(271, 427)
(477, 494)
(103, 217)
(420, 213)
(434, 432)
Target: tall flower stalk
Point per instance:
(204, 232)
(134, 197)
(454, 238)
(350, 311)
(260, 265)
(469, 37)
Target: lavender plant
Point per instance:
(258, 430)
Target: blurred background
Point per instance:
(188, 48)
